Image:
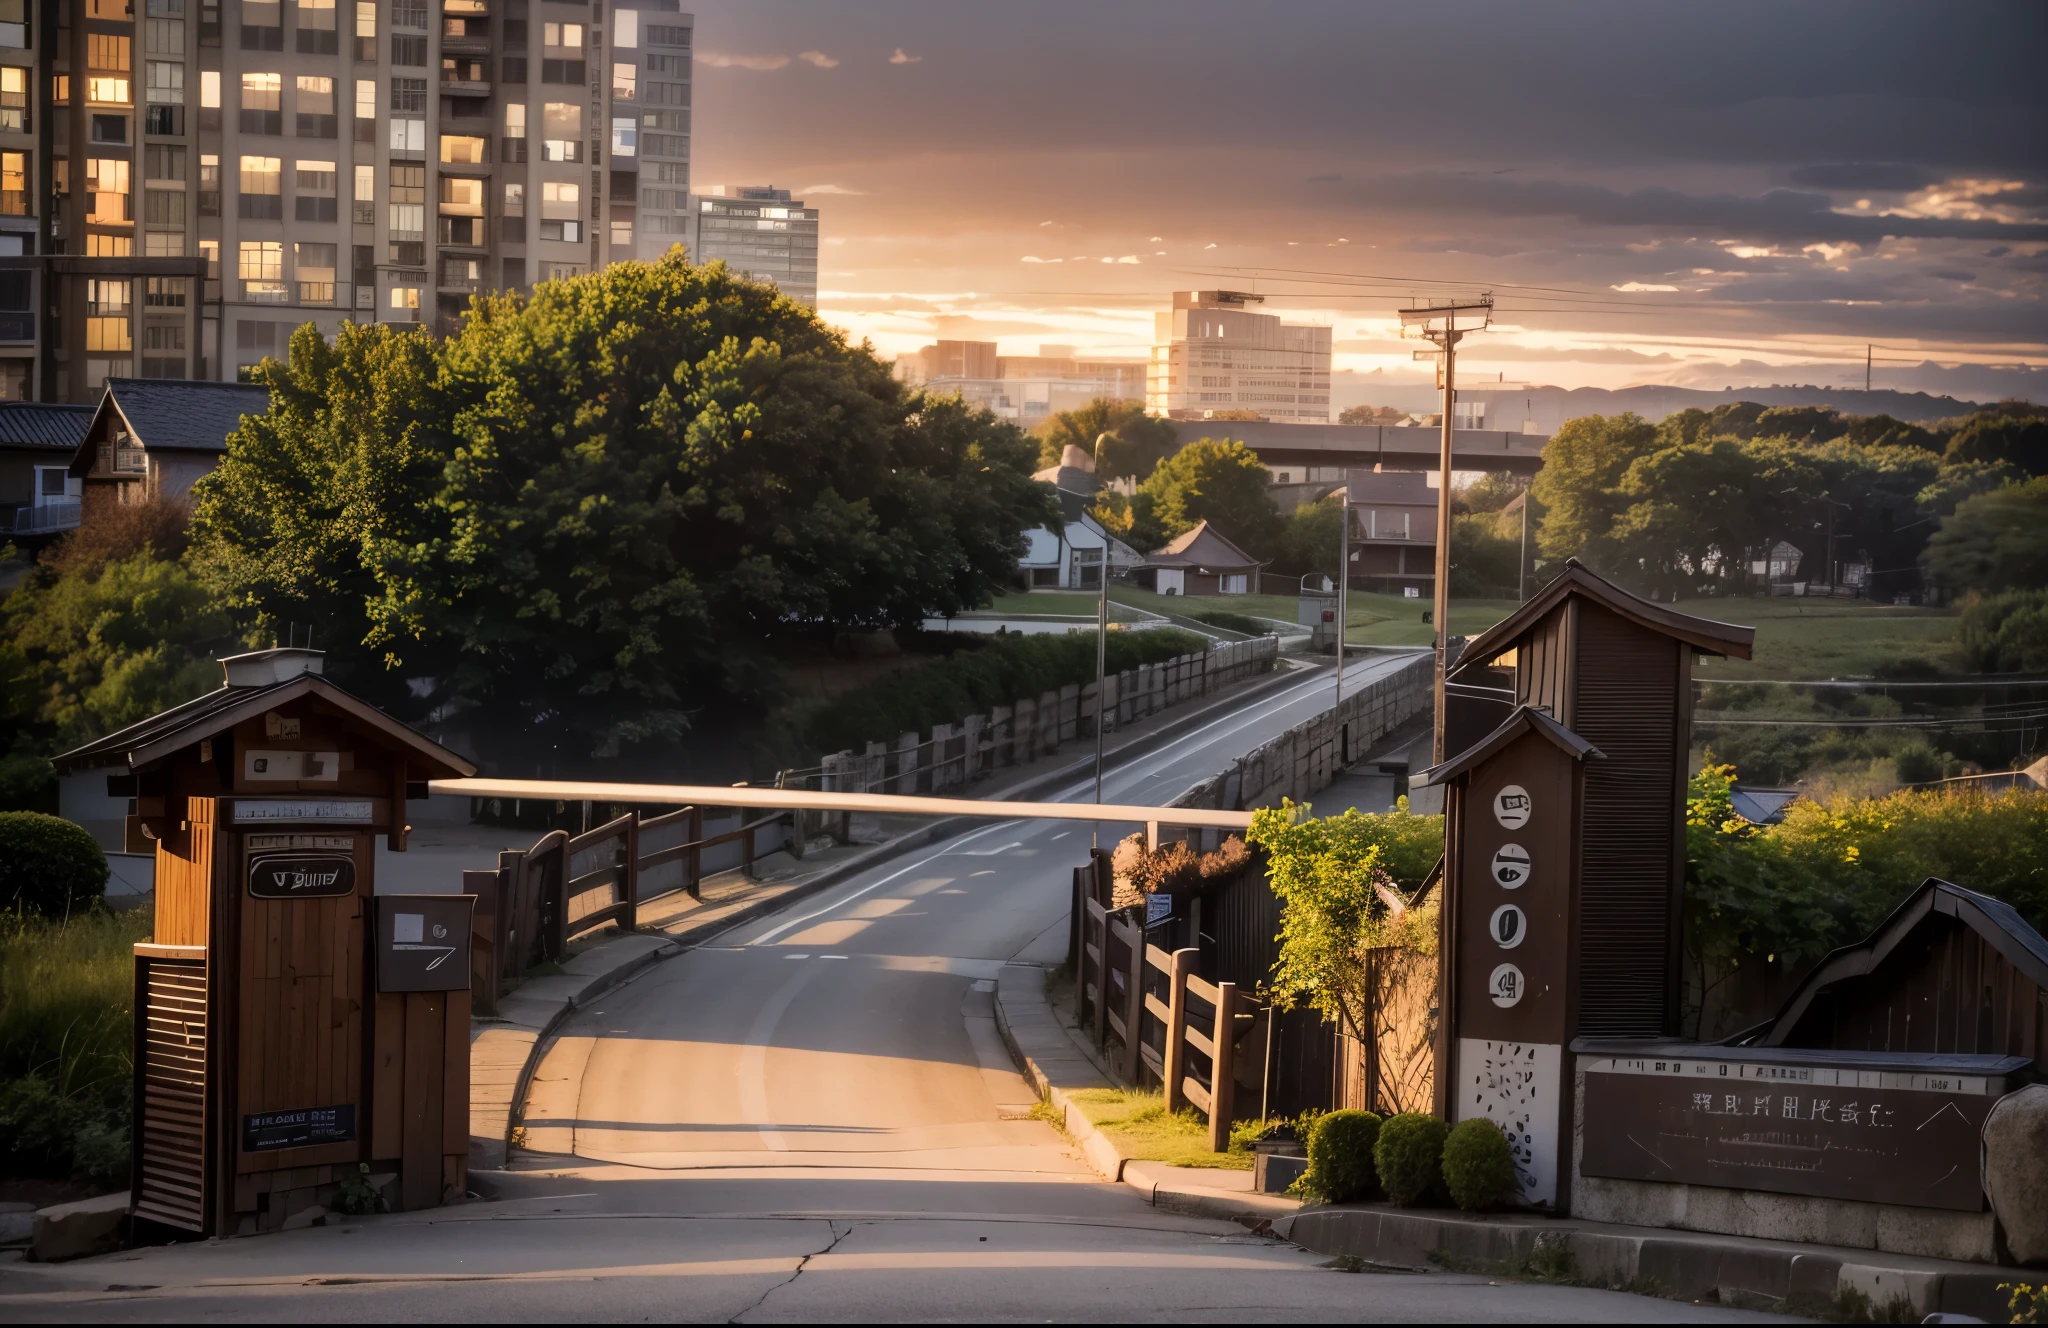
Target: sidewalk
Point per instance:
(1748, 1273)
(504, 1049)
(1058, 1063)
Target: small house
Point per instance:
(154, 438)
(1070, 556)
(1200, 562)
(39, 497)
(1393, 532)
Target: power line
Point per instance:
(1979, 680)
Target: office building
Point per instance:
(1024, 388)
(761, 233)
(1212, 354)
(184, 182)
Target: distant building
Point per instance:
(1070, 556)
(154, 438)
(1210, 353)
(1023, 388)
(39, 497)
(1200, 562)
(761, 233)
(1393, 531)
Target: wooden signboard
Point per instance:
(1886, 1136)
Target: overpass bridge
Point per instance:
(1363, 446)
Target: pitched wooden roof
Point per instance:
(1715, 638)
(1526, 719)
(169, 731)
(1201, 547)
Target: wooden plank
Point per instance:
(387, 1077)
(613, 829)
(1159, 959)
(1196, 1094)
(1152, 1060)
(1199, 1040)
(420, 1156)
(1202, 991)
(455, 1078)
(1116, 1025)
(1159, 1009)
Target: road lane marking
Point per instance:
(753, 1063)
(773, 932)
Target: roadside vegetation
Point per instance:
(1142, 1129)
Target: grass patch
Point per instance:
(1813, 638)
(1055, 604)
(1144, 1130)
(67, 993)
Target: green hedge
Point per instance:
(1479, 1167)
(1232, 622)
(970, 681)
(49, 867)
(1409, 1157)
(1340, 1165)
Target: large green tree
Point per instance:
(590, 511)
(1993, 542)
(1137, 441)
(1580, 483)
(1219, 481)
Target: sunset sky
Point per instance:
(1724, 194)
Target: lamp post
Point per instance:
(1439, 323)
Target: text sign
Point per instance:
(303, 1127)
(360, 810)
(301, 876)
(423, 942)
(1876, 1136)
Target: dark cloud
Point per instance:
(1890, 177)
(1946, 274)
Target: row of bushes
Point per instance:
(992, 672)
(1411, 1158)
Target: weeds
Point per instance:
(1142, 1129)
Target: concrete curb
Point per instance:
(1734, 1270)
(1053, 1064)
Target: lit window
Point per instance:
(366, 18)
(515, 119)
(463, 149)
(262, 175)
(624, 79)
(366, 99)
(14, 99)
(559, 36)
(107, 189)
(405, 297)
(261, 260)
(209, 88)
(108, 91)
(261, 92)
(315, 95)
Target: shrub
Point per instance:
(1479, 1168)
(1231, 622)
(48, 866)
(1340, 1156)
(1409, 1157)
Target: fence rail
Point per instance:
(1153, 1018)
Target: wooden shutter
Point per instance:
(170, 1094)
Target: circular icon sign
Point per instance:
(1505, 986)
(1508, 926)
(1511, 866)
(1511, 807)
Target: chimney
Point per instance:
(262, 668)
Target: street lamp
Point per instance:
(1101, 637)
(1446, 324)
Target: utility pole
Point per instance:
(1343, 578)
(1439, 323)
(1522, 581)
(1868, 351)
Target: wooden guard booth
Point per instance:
(269, 1060)
(1564, 855)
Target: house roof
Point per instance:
(1201, 547)
(1715, 638)
(43, 424)
(1525, 720)
(1997, 922)
(177, 414)
(152, 739)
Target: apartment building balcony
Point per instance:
(46, 519)
(465, 87)
(266, 292)
(17, 325)
(116, 459)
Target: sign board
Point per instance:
(304, 1127)
(349, 810)
(423, 942)
(1880, 1136)
(1158, 908)
(301, 875)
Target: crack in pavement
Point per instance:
(798, 1271)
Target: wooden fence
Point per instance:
(1153, 1018)
(979, 745)
(537, 900)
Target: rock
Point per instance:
(74, 1230)
(2016, 1170)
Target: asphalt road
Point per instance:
(813, 1118)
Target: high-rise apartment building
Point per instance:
(1210, 353)
(182, 182)
(762, 234)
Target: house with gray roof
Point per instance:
(39, 499)
(154, 437)
(1200, 562)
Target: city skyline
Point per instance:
(1783, 190)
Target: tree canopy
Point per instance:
(1995, 541)
(589, 509)
(1219, 481)
(1137, 441)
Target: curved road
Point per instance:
(813, 1118)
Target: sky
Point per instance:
(1700, 195)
